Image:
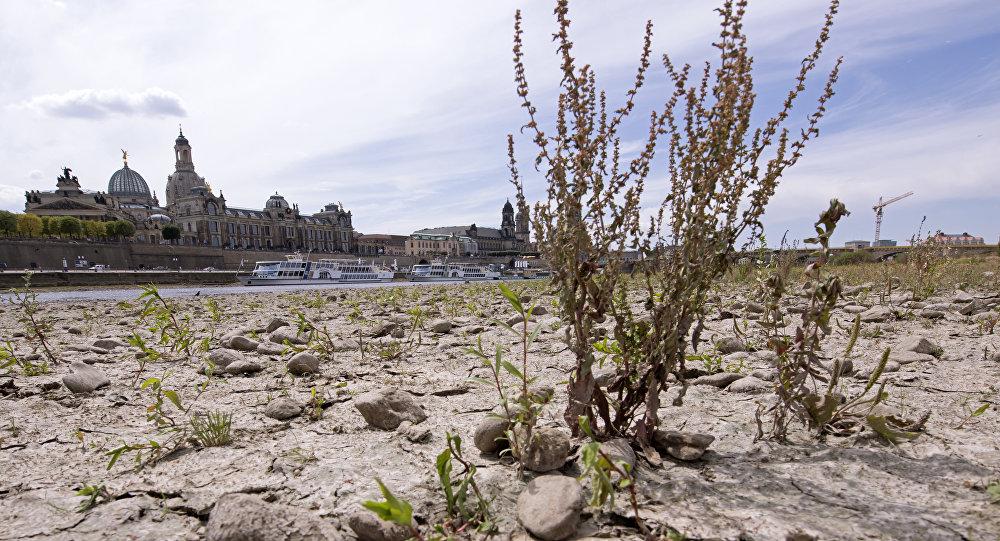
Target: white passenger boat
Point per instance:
(441, 271)
(296, 271)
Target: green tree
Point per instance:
(8, 223)
(171, 232)
(94, 229)
(29, 225)
(47, 222)
(119, 229)
(70, 226)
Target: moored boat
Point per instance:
(295, 270)
(443, 271)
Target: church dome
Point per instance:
(127, 183)
(161, 218)
(276, 202)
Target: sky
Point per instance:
(400, 110)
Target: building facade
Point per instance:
(511, 238)
(205, 219)
(379, 244)
(957, 239)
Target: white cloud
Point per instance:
(36, 174)
(100, 104)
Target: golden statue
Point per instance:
(124, 156)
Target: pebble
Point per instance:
(243, 343)
(549, 507)
(283, 408)
(303, 363)
(222, 358)
(414, 433)
(729, 344)
(387, 408)
(490, 435)
(720, 380)
(685, 446)
(109, 343)
(547, 450)
(84, 378)
(288, 333)
(245, 517)
(907, 357)
(244, 367)
(876, 314)
(919, 344)
(749, 385)
(368, 527)
(275, 324)
(440, 326)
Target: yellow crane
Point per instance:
(878, 208)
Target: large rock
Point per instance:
(84, 378)
(244, 517)
(549, 507)
(243, 343)
(387, 408)
(368, 527)
(303, 363)
(283, 408)
(720, 380)
(490, 436)
(547, 450)
(291, 334)
(682, 445)
(919, 344)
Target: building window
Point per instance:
(213, 227)
(267, 233)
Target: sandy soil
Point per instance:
(53, 441)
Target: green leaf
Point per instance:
(512, 369)
(514, 299)
(482, 381)
(392, 509)
(444, 475)
(174, 398)
(149, 381)
(981, 410)
(534, 334)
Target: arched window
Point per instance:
(211, 209)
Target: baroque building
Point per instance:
(205, 219)
(511, 238)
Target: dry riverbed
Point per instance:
(307, 464)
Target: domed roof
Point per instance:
(181, 140)
(508, 207)
(159, 218)
(276, 202)
(127, 183)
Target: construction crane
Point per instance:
(878, 208)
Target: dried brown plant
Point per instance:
(720, 176)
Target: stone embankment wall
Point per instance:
(49, 253)
(11, 279)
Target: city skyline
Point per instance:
(405, 124)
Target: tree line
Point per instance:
(31, 225)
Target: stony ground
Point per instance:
(308, 472)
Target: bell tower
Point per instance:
(184, 178)
(507, 221)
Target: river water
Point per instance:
(130, 293)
